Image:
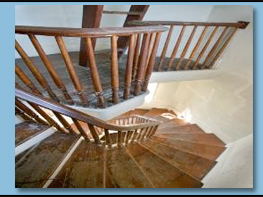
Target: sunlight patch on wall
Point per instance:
(186, 115)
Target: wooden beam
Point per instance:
(91, 19)
(124, 41)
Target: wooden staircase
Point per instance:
(177, 155)
(113, 76)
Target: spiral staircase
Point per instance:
(178, 155)
(60, 143)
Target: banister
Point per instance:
(86, 32)
(239, 24)
(67, 111)
(180, 59)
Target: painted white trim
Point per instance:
(116, 110)
(55, 173)
(184, 75)
(18, 119)
(38, 138)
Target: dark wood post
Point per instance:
(91, 19)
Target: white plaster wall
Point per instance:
(223, 105)
(71, 16)
(234, 168)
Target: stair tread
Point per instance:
(84, 169)
(138, 111)
(209, 139)
(174, 122)
(124, 171)
(34, 170)
(156, 112)
(203, 150)
(190, 128)
(161, 173)
(193, 165)
(26, 130)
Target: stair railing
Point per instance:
(139, 64)
(39, 109)
(200, 48)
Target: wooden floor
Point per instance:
(179, 155)
(104, 68)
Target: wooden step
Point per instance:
(160, 114)
(27, 130)
(139, 111)
(124, 171)
(191, 164)
(36, 167)
(202, 150)
(156, 112)
(183, 129)
(161, 173)
(174, 122)
(86, 168)
(209, 139)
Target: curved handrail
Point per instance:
(86, 32)
(239, 24)
(142, 50)
(205, 48)
(67, 111)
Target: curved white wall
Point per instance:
(222, 105)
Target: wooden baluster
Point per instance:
(222, 48)
(133, 137)
(210, 54)
(26, 80)
(18, 86)
(108, 138)
(23, 115)
(64, 122)
(127, 137)
(151, 62)
(71, 70)
(40, 78)
(142, 65)
(47, 117)
(80, 129)
(94, 134)
(186, 48)
(136, 56)
(154, 130)
(150, 48)
(119, 139)
(176, 47)
(195, 48)
(140, 131)
(114, 70)
(145, 130)
(128, 73)
(149, 132)
(53, 73)
(29, 111)
(94, 73)
(205, 47)
(168, 38)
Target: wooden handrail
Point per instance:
(239, 24)
(136, 65)
(86, 32)
(67, 111)
(195, 59)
